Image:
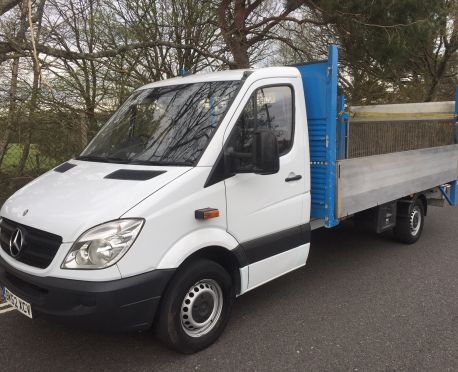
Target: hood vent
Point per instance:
(64, 167)
(133, 175)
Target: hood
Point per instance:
(78, 195)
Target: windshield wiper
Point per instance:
(92, 158)
(102, 159)
(163, 163)
(133, 161)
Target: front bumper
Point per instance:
(127, 304)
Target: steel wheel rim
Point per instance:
(415, 220)
(201, 308)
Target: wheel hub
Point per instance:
(201, 308)
(415, 220)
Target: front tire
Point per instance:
(408, 228)
(196, 306)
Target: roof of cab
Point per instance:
(229, 75)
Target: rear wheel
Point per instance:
(196, 306)
(409, 227)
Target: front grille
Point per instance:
(38, 248)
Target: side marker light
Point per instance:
(206, 213)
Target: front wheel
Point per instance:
(408, 228)
(196, 306)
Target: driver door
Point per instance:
(265, 212)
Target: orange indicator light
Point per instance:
(206, 213)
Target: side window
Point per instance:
(270, 107)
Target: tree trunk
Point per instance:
(30, 120)
(91, 120)
(33, 105)
(239, 51)
(433, 84)
(83, 132)
(234, 32)
(12, 116)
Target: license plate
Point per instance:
(18, 303)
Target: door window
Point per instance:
(267, 108)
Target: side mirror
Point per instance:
(265, 152)
(262, 159)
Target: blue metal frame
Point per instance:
(451, 199)
(327, 142)
(453, 184)
(453, 192)
(320, 88)
(456, 115)
(456, 102)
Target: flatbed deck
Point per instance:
(369, 181)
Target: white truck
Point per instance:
(201, 188)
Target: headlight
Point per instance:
(103, 245)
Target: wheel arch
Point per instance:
(213, 244)
(403, 204)
(226, 258)
(424, 201)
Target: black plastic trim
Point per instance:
(294, 178)
(218, 172)
(133, 175)
(64, 167)
(267, 246)
(307, 63)
(119, 305)
(246, 74)
(39, 247)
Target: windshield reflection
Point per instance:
(169, 125)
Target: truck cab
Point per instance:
(207, 168)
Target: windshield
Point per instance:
(169, 125)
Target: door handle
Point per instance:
(293, 178)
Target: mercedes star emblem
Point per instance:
(16, 243)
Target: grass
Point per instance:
(35, 162)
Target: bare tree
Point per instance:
(440, 57)
(12, 106)
(86, 56)
(75, 29)
(6, 5)
(246, 24)
(35, 91)
(183, 29)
